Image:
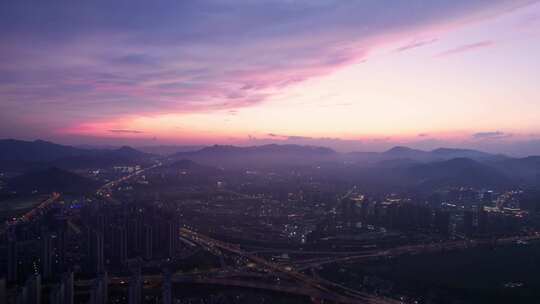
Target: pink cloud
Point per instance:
(466, 48)
(120, 62)
(416, 44)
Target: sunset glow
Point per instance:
(212, 72)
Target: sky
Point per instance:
(351, 75)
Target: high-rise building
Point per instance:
(12, 257)
(3, 295)
(56, 294)
(22, 295)
(442, 222)
(135, 287)
(100, 223)
(61, 248)
(67, 282)
(99, 292)
(166, 287)
(135, 235)
(46, 254)
(104, 282)
(95, 252)
(482, 219)
(119, 243)
(33, 288)
(148, 242)
(165, 240)
(468, 227)
(171, 238)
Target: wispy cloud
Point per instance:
(490, 135)
(530, 22)
(289, 137)
(416, 44)
(466, 48)
(75, 63)
(126, 131)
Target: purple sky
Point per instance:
(353, 75)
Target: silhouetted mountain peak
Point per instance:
(270, 148)
(461, 161)
(126, 148)
(450, 150)
(184, 164)
(51, 179)
(47, 154)
(467, 153)
(259, 156)
(129, 151)
(403, 149)
(38, 150)
(459, 172)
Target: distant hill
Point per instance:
(524, 170)
(51, 180)
(397, 163)
(406, 153)
(168, 150)
(465, 153)
(102, 160)
(185, 164)
(271, 148)
(39, 154)
(458, 172)
(259, 156)
(35, 151)
(438, 154)
(400, 165)
(127, 152)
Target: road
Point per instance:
(415, 249)
(316, 288)
(105, 189)
(32, 213)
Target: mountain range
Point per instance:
(51, 180)
(259, 156)
(43, 151)
(399, 165)
(39, 154)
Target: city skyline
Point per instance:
(353, 76)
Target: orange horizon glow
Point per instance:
(456, 74)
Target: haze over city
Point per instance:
(361, 76)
